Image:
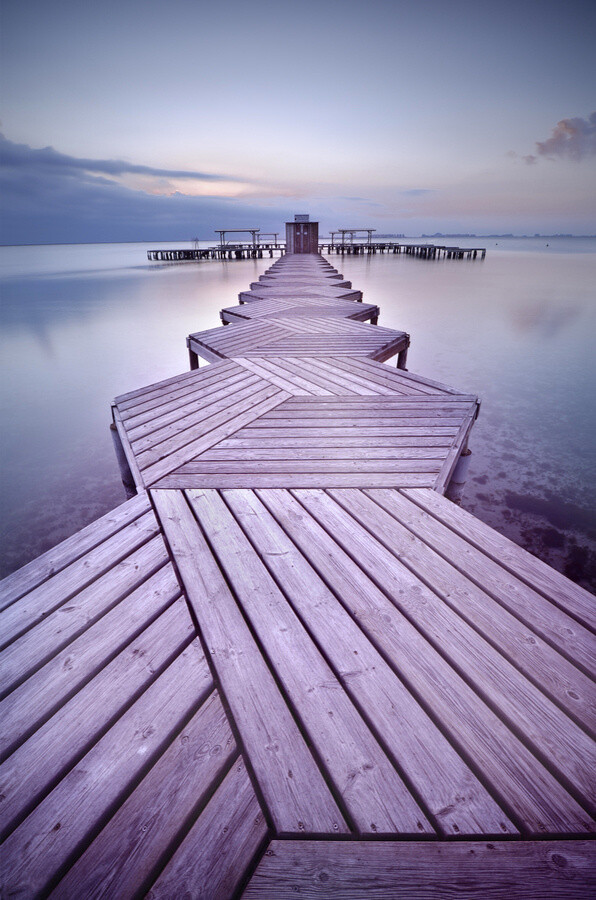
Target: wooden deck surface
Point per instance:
(292, 667)
(290, 336)
(281, 422)
(289, 308)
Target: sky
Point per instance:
(165, 121)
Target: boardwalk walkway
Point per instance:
(290, 666)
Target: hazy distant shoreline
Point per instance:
(400, 237)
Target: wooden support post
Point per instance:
(125, 472)
(192, 356)
(457, 482)
(402, 356)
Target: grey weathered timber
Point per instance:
(36, 852)
(155, 815)
(519, 870)
(295, 306)
(294, 641)
(76, 654)
(230, 833)
(292, 786)
(299, 336)
(391, 606)
(377, 800)
(186, 444)
(43, 567)
(574, 600)
(50, 594)
(57, 629)
(79, 721)
(456, 800)
(546, 619)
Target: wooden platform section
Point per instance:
(279, 422)
(321, 306)
(359, 684)
(299, 336)
(290, 666)
(331, 870)
(116, 754)
(312, 291)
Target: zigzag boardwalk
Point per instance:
(290, 666)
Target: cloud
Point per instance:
(571, 139)
(48, 159)
(48, 197)
(417, 192)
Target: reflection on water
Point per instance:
(83, 324)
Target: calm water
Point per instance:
(84, 323)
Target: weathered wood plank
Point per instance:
(181, 480)
(306, 452)
(240, 442)
(48, 564)
(292, 786)
(560, 590)
(367, 409)
(37, 852)
(353, 563)
(48, 595)
(130, 851)
(456, 800)
(375, 796)
(221, 426)
(38, 697)
(519, 870)
(159, 389)
(270, 369)
(220, 847)
(165, 434)
(37, 645)
(550, 622)
(138, 426)
(298, 465)
(271, 376)
(529, 712)
(309, 369)
(342, 371)
(52, 750)
(455, 452)
(346, 421)
(127, 450)
(391, 377)
(190, 385)
(261, 431)
(547, 669)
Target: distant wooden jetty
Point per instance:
(249, 251)
(257, 248)
(290, 666)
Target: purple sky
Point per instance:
(149, 121)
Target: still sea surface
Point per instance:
(83, 323)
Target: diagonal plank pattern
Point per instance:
(294, 645)
(114, 740)
(295, 306)
(299, 336)
(279, 422)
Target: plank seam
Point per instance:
(289, 704)
(88, 745)
(548, 764)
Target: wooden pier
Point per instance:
(258, 251)
(290, 667)
(230, 251)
